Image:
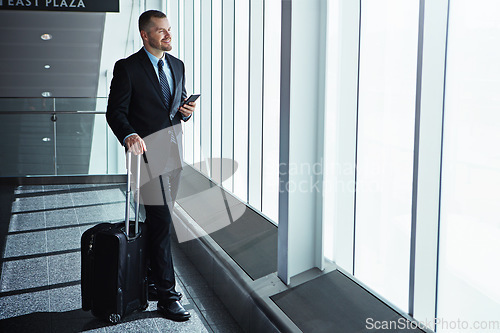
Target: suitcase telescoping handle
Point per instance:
(136, 195)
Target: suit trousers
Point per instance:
(159, 221)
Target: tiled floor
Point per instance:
(40, 227)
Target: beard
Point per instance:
(159, 46)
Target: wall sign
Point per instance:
(62, 5)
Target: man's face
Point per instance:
(158, 35)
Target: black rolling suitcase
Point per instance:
(114, 266)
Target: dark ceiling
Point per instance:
(74, 53)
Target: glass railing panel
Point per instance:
(28, 145)
(81, 144)
(57, 136)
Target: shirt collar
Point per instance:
(154, 60)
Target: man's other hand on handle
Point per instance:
(135, 144)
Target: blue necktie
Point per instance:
(165, 88)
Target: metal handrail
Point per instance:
(53, 98)
(52, 112)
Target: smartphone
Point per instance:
(191, 98)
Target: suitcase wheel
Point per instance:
(114, 318)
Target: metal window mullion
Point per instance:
(201, 82)
(356, 144)
(221, 86)
(416, 151)
(284, 149)
(248, 94)
(255, 109)
(441, 166)
(424, 243)
(262, 109)
(194, 77)
(233, 86)
(211, 91)
(227, 90)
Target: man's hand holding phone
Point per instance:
(188, 106)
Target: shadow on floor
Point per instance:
(66, 322)
(69, 321)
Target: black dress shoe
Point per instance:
(174, 311)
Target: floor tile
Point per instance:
(23, 189)
(186, 300)
(25, 244)
(85, 198)
(66, 299)
(58, 201)
(28, 204)
(63, 239)
(90, 214)
(64, 268)
(61, 217)
(23, 304)
(110, 195)
(27, 221)
(24, 274)
(116, 211)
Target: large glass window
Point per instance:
(469, 249)
(237, 70)
(245, 55)
(387, 81)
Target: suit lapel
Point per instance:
(175, 77)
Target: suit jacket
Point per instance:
(135, 103)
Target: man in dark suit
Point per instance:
(145, 97)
